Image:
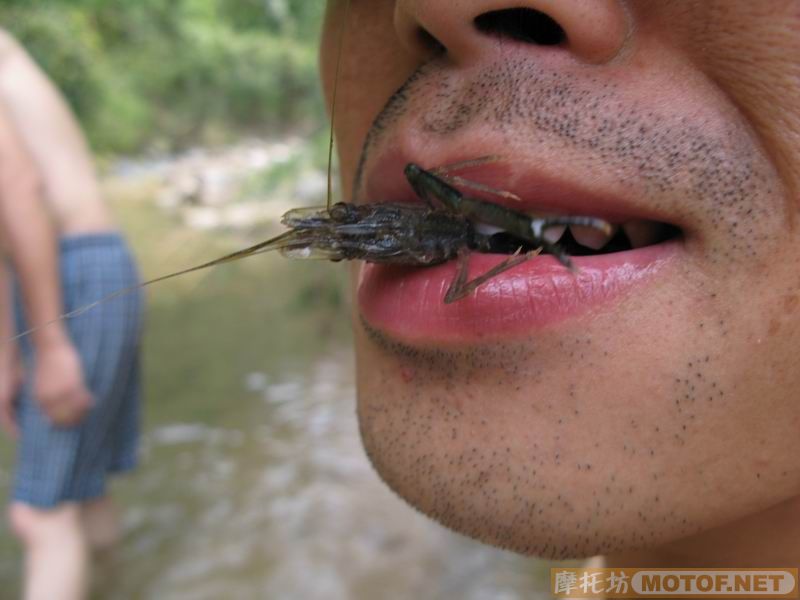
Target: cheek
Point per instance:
(726, 41)
(373, 66)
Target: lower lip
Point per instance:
(407, 303)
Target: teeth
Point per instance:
(487, 229)
(554, 233)
(642, 233)
(591, 237)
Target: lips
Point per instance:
(407, 303)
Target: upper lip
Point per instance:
(539, 190)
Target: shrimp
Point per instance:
(446, 225)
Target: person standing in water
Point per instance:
(69, 392)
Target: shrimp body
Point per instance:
(389, 233)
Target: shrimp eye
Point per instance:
(342, 212)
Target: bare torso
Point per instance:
(73, 196)
(54, 141)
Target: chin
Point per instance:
(531, 466)
(519, 443)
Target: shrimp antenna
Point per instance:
(340, 45)
(275, 243)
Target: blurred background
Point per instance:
(207, 124)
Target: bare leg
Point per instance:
(56, 553)
(461, 288)
(100, 522)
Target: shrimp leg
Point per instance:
(444, 172)
(460, 287)
(429, 186)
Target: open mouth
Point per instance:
(514, 224)
(629, 244)
(578, 240)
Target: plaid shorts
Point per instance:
(57, 464)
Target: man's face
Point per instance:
(651, 395)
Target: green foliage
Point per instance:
(171, 73)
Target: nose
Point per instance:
(593, 31)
